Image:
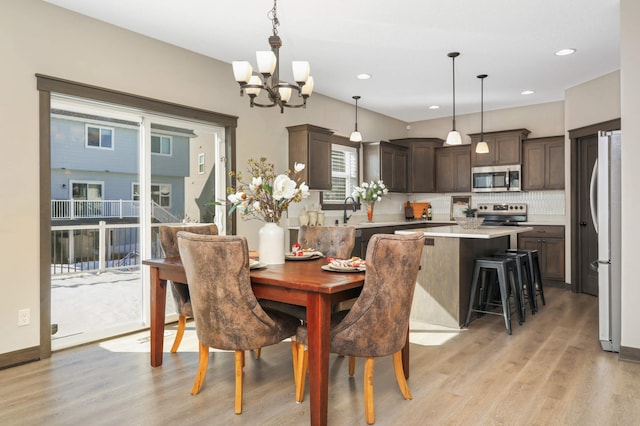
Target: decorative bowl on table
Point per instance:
(470, 222)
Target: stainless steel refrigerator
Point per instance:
(605, 210)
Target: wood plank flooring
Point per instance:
(551, 371)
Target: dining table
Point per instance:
(299, 282)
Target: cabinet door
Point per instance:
(400, 161)
(552, 259)
(386, 165)
(507, 150)
(319, 161)
(462, 167)
(444, 170)
(421, 168)
(533, 168)
(554, 178)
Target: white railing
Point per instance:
(99, 209)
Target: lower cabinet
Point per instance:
(549, 241)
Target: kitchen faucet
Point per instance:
(345, 218)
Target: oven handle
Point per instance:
(506, 180)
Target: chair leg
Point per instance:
(239, 365)
(182, 324)
(300, 371)
(202, 369)
(257, 352)
(352, 365)
(368, 391)
(294, 359)
(399, 370)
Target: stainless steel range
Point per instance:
(502, 214)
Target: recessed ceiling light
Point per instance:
(363, 76)
(565, 52)
(527, 92)
(434, 107)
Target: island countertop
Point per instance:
(456, 231)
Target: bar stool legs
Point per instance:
(505, 269)
(534, 272)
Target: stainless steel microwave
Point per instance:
(496, 178)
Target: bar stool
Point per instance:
(523, 277)
(534, 272)
(505, 268)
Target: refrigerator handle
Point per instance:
(592, 195)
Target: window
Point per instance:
(201, 163)
(160, 194)
(344, 175)
(99, 137)
(161, 145)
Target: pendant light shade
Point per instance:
(355, 135)
(482, 147)
(454, 138)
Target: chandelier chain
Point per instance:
(273, 17)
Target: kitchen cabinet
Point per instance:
(311, 145)
(453, 169)
(387, 162)
(549, 241)
(504, 148)
(421, 175)
(543, 163)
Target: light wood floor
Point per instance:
(551, 371)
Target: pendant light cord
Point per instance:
(453, 56)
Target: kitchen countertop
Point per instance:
(456, 231)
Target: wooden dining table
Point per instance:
(299, 282)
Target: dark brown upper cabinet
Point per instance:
(543, 163)
(387, 162)
(453, 169)
(504, 148)
(421, 176)
(311, 145)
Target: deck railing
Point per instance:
(98, 247)
(90, 209)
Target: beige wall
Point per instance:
(36, 37)
(630, 99)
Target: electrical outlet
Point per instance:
(24, 317)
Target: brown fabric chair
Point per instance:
(377, 323)
(180, 292)
(226, 312)
(331, 241)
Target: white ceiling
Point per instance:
(402, 44)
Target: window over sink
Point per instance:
(344, 173)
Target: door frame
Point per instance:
(574, 135)
(46, 85)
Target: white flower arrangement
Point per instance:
(370, 192)
(268, 195)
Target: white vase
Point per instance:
(271, 248)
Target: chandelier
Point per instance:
(278, 92)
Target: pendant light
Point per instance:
(355, 135)
(454, 138)
(482, 147)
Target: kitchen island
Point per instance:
(444, 281)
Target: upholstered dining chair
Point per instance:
(180, 292)
(226, 312)
(331, 241)
(377, 323)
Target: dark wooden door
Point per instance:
(587, 237)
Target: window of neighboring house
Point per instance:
(161, 145)
(160, 194)
(98, 136)
(344, 176)
(201, 163)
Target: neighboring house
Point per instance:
(94, 162)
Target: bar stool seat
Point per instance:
(534, 272)
(506, 270)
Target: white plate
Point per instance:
(303, 256)
(332, 269)
(257, 265)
